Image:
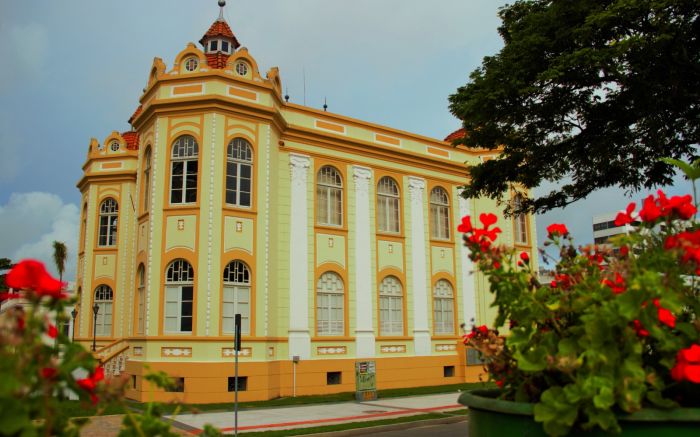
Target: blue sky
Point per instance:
(73, 70)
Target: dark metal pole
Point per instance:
(237, 348)
(73, 313)
(95, 310)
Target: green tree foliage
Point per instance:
(5, 264)
(589, 92)
(60, 253)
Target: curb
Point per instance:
(393, 427)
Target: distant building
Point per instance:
(604, 228)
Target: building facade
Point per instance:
(334, 238)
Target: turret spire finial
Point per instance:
(222, 3)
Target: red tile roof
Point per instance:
(136, 113)
(217, 60)
(456, 135)
(220, 28)
(132, 139)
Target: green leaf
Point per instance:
(604, 399)
(690, 170)
(13, 417)
(656, 398)
(555, 412)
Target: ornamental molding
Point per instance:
(297, 161)
(393, 349)
(210, 222)
(445, 347)
(332, 350)
(176, 352)
(361, 174)
(229, 352)
(416, 185)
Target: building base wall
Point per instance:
(207, 382)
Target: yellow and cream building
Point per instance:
(335, 238)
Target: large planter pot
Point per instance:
(489, 416)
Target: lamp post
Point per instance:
(95, 310)
(74, 313)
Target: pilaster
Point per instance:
(419, 263)
(468, 280)
(364, 332)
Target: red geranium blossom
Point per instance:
(665, 316)
(48, 372)
(90, 383)
(624, 218)
(557, 229)
(32, 275)
(687, 366)
(466, 225)
(639, 328)
(52, 331)
(525, 257)
(650, 210)
(618, 285)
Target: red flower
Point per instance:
(496, 265)
(650, 211)
(617, 286)
(32, 275)
(665, 316)
(500, 383)
(624, 218)
(682, 206)
(6, 295)
(525, 257)
(561, 280)
(52, 331)
(624, 251)
(48, 372)
(640, 329)
(557, 229)
(687, 366)
(466, 225)
(487, 219)
(483, 329)
(90, 383)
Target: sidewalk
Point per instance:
(304, 416)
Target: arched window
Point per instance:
(109, 212)
(520, 221)
(443, 308)
(388, 205)
(236, 297)
(330, 303)
(390, 306)
(183, 170)
(147, 179)
(104, 299)
(329, 197)
(179, 292)
(239, 172)
(439, 214)
(141, 300)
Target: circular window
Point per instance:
(191, 64)
(114, 146)
(241, 68)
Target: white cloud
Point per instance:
(31, 222)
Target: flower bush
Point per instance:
(615, 331)
(39, 366)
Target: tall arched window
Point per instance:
(390, 306)
(104, 299)
(239, 172)
(520, 221)
(179, 293)
(147, 179)
(141, 300)
(388, 205)
(330, 303)
(236, 297)
(183, 170)
(329, 197)
(109, 212)
(443, 308)
(439, 214)
(83, 227)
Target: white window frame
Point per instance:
(443, 308)
(109, 221)
(330, 305)
(439, 214)
(104, 298)
(147, 179)
(237, 283)
(179, 275)
(391, 307)
(329, 197)
(520, 222)
(239, 153)
(184, 150)
(388, 206)
(141, 302)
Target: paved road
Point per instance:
(458, 429)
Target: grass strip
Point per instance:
(355, 425)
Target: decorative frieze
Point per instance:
(229, 352)
(393, 349)
(332, 350)
(176, 352)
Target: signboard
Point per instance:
(365, 380)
